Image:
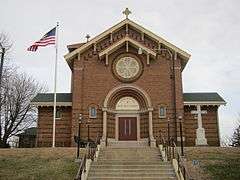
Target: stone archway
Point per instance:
(131, 90)
(111, 114)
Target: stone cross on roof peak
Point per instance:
(126, 12)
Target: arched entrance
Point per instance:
(127, 121)
(127, 115)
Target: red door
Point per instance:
(127, 128)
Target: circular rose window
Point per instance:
(127, 68)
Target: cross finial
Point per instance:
(87, 36)
(127, 12)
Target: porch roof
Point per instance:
(46, 99)
(65, 99)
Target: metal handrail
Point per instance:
(89, 154)
(173, 152)
(182, 167)
(82, 167)
(92, 150)
(164, 143)
(97, 140)
(106, 139)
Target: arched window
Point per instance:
(162, 111)
(127, 103)
(92, 112)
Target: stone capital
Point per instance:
(150, 109)
(104, 109)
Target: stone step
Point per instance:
(130, 159)
(134, 153)
(128, 144)
(132, 178)
(125, 162)
(133, 174)
(104, 174)
(104, 166)
(139, 154)
(127, 148)
(130, 154)
(130, 163)
(130, 151)
(102, 170)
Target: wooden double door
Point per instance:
(127, 128)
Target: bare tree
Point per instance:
(5, 46)
(225, 141)
(235, 139)
(16, 92)
(17, 113)
(5, 42)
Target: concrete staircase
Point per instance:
(130, 163)
(129, 144)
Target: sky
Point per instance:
(208, 30)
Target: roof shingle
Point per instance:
(207, 97)
(48, 97)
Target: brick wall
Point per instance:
(45, 124)
(92, 80)
(144, 125)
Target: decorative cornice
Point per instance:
(118, 44)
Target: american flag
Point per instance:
(48, 39)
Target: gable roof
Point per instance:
(96, 39)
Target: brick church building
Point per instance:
(126, 83)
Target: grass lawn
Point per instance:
(38, 163)
(215, 163)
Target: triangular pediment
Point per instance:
(127, 23)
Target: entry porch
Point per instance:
(127, 118)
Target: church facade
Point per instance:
(126, 85)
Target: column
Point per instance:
(151, 138)
(103, 140)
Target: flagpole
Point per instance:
(55, 89)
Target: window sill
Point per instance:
(93, 117)
(162, 117)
